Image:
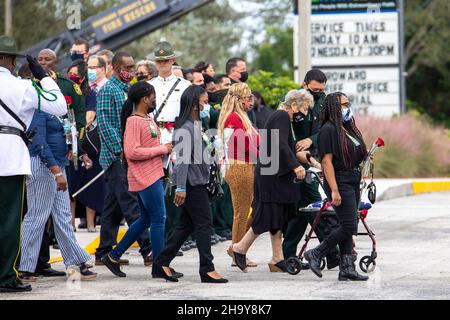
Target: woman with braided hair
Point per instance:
(341, 149)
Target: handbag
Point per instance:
(214, 186)
(91, 141)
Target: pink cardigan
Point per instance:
(143, 153)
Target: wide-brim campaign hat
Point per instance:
(164, 51)
(8, 46)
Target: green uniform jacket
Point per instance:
(72, 90)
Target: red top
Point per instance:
(143, 152)
(241, 146)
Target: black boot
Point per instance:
(333, 261)
(314, 258)
(347, 270)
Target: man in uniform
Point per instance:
(306, 129)
(22, 99)
(76, 103)
(165, 57)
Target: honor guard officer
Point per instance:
(169, 88)
(19, 100)
(306, 128)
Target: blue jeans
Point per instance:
(153, 215)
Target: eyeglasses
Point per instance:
(95, 67)
(346, 104)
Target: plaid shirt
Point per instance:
(110, 100)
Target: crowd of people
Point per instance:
(130, 145)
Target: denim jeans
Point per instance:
(153, 215)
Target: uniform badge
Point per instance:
(77, 89)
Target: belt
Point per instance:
(357, 169)
(10, 130)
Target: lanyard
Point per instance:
(355, 142)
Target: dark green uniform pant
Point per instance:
(297, 226)
(222, 211)
(11, 205)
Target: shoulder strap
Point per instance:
(12, 114)
(158, 112)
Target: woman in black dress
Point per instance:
(275, 193)
(342, 149)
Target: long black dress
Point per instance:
(275, 193)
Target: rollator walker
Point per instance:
(326, 212)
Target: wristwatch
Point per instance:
(57, 175)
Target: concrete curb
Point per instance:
(413, 188)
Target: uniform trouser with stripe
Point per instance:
(43, 201)
(11, 202)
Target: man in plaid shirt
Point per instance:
(119, 202)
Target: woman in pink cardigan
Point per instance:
(143, 153)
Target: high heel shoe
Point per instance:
(278, 267)
(208, 279)
(239, 258)
(158, 272)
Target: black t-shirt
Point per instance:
(328, 143)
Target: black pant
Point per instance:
(348, 185)
(119, 203)
(196, 217)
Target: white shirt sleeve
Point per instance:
(56, 108)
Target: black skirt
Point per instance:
(271, 216)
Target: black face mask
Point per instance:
(315, 94)
(152, 107)
(76, 56)
(244, 76)
(218, 96)
(141, 78)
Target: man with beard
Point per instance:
(119, 202)
(306, 129)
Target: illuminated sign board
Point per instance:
(126, 15)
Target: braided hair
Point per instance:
(331, 112)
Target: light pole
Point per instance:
(304, 39)
(9, 18)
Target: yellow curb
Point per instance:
(430, 186)
(92, 247)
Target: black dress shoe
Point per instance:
(239, 258)
(207, 279)
(16, 287)
(159, 273)
(50, 273)
(113, 266)
(176, 274)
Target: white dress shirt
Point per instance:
(22, 98)
(162, 87)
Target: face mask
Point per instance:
(205, 112)
(76, 56)
(126, 76)
(316, 94)
(75, 79)
(244, 76)
(92, 76)
(347, 114)
(141, 78)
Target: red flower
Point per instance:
(169, 125)
(380, 142)
(68, 100)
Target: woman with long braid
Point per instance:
(341, 149)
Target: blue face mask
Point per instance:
(347, 114)
(92, 75)
(205, 112)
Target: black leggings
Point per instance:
(195, 218)
(348, 184)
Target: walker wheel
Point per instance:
(367, 264)
(323, 263)
(294, 265)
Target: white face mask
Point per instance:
(347, 114)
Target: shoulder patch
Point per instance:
(77, 89)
